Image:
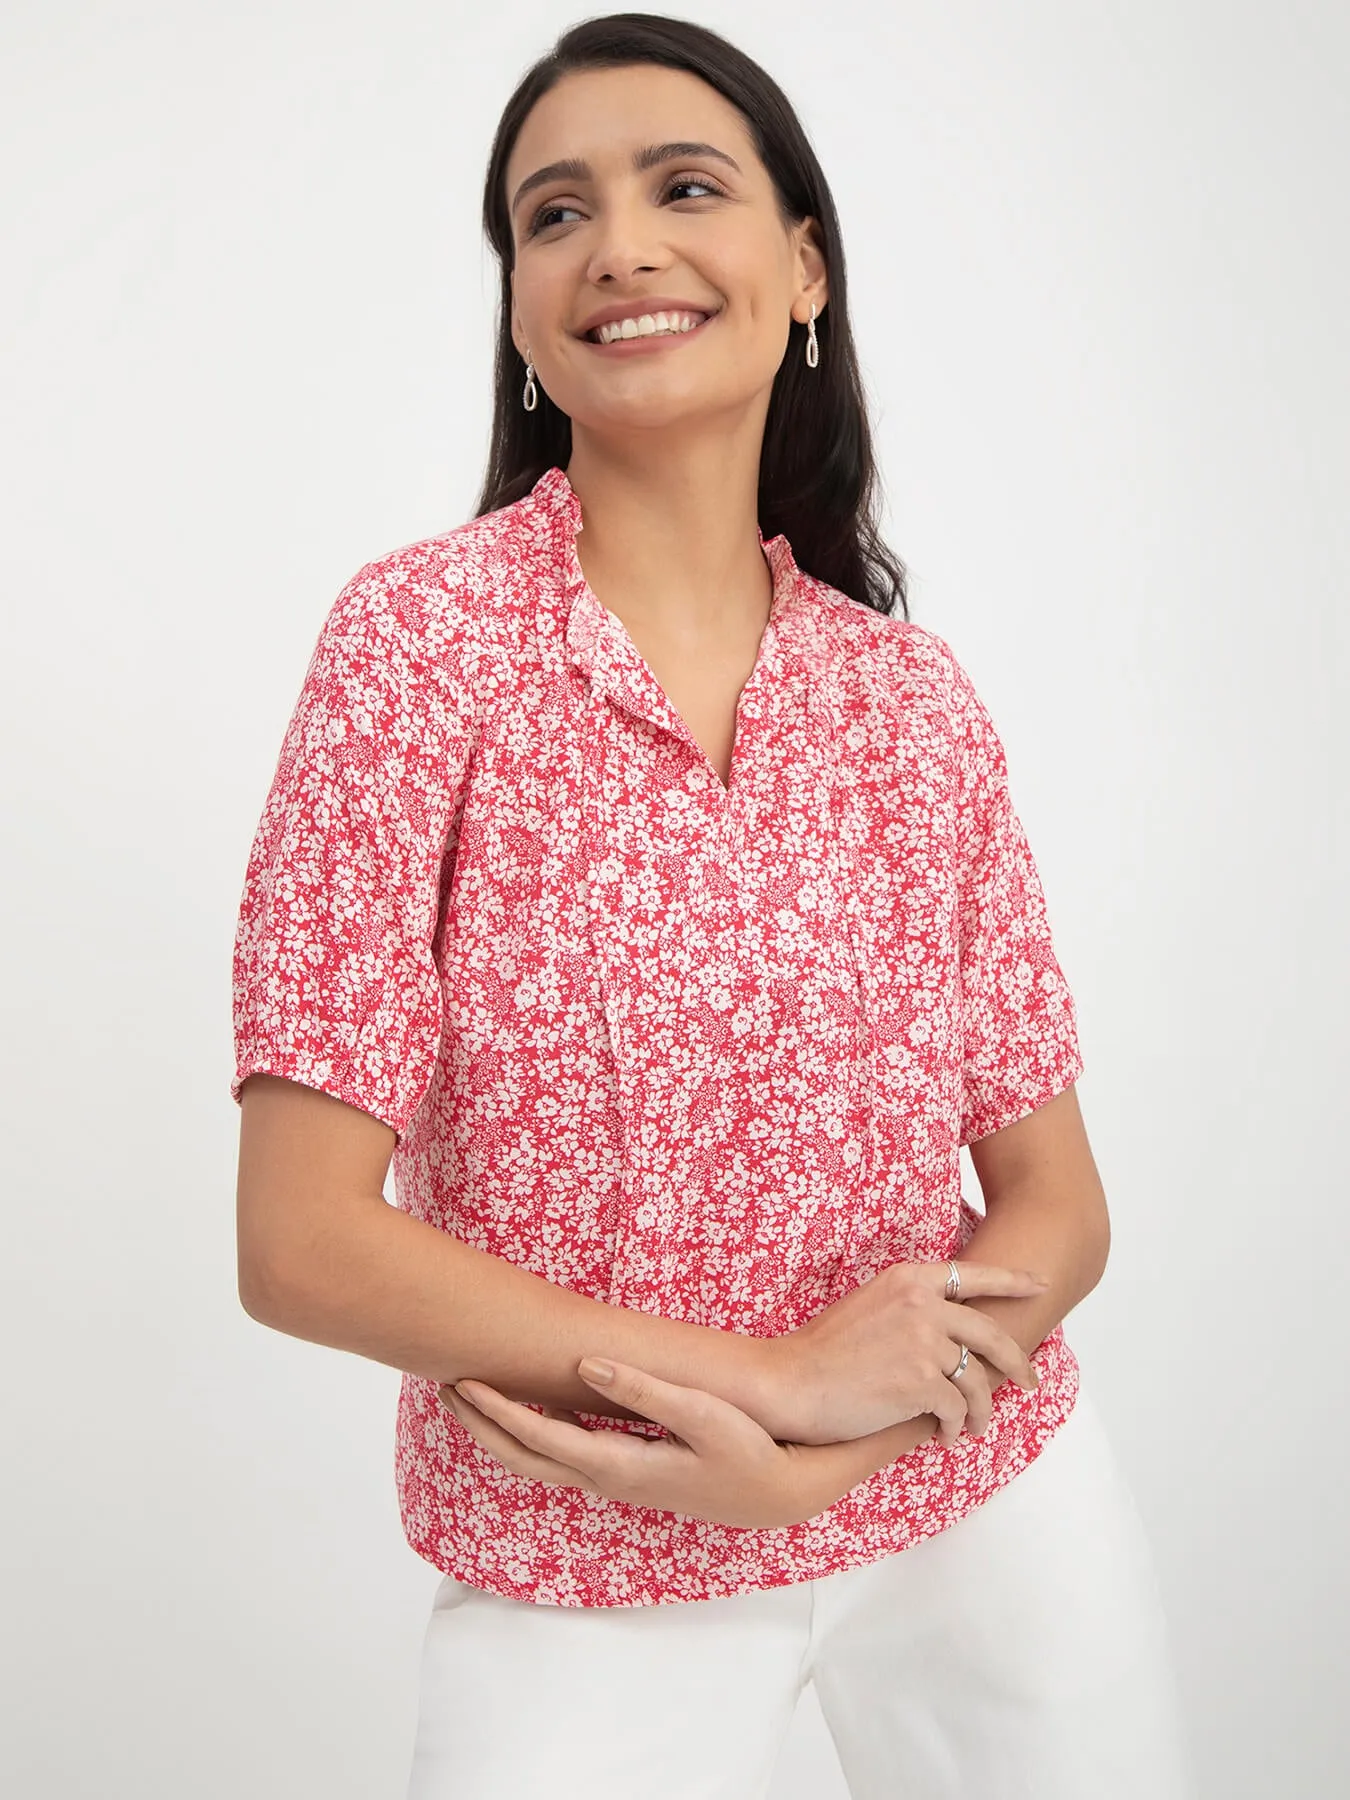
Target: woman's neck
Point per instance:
(673, 544)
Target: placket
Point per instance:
(659, 1166)
(720, 821)
(608, 678)
(847, 830)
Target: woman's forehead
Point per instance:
(603, 115)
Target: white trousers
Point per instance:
(1022, 1654)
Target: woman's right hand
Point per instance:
(885, 1352)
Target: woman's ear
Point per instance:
(815, 279)
(517, 335)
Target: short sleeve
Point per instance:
(1019, 1031)
(335, 984)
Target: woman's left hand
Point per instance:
(721, 1465)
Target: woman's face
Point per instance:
(696, 229)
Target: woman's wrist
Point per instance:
(763, 1384)
(768, 1384)
(880, 1449)
(820, 1475)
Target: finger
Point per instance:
(974, 1384)
(572, 1418)
(703, 1422)
(508, 1450)
(988, 1338)
(515, 1445)
(949, 1403)
(979, 1278)
(716, 1462)
(450, 1399)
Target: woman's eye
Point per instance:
(694, 181)
(541, 218)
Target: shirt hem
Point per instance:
(866, 1525)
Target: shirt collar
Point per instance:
(587, 626)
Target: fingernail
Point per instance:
(459, 1389)
(596, 1371)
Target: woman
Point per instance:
(649, 890)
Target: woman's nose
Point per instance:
(626, 243)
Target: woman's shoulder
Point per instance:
(888, 652)
(452, 597)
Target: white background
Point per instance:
(1100, 284)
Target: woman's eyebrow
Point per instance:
(572, 168)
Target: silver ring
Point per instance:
(960, 1368)
(953, 1280)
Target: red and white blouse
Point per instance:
(707, 1051)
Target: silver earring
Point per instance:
(812, 347)
(531, 391)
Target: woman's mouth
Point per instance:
(650, 331)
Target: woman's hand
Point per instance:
(886, 1352)
(720, 1465)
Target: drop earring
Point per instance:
(812, 347)
(531, 396)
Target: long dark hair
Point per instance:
(817, 475)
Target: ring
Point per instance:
(953, 1280)
(960, 1368)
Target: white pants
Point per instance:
(1022, 1654)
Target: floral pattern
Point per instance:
(700, 1049)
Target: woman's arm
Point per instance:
(323, 1256)
(1045, 1209)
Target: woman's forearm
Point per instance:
(1044, 1221)
(384, 1285)
(381, 1284)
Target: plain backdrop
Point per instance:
(1100, 284)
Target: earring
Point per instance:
(531, 395)
(812, 347)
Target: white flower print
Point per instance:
(703, 1051)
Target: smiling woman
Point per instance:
(738, 261)
(645, 885)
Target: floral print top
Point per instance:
(705, 1050)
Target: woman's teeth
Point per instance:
(647, 325)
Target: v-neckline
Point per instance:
(600, 643)
(646, 675)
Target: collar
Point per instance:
(595, 638)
